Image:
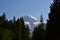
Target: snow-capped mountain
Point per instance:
(30, 18)
(32, 22)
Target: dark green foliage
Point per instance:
(41, 19)
(18, 29)
(53, 25)
(27, 33)
(3, 20)
(3, 16)
(6, 34)
(13, 29)
(24, 30)
(36, 35)
(14, 19)
(39, 32)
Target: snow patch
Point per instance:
(33, 17)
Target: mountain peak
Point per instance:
(30, 18)
(33, 17)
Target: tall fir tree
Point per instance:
(27, 33)
(13, 29)
(17, 30)
(38, 33)
(24, 31)
(4, 16)
(2, 20)
(53, 24)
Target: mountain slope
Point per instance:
(32, 22)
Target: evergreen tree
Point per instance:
(14, 19)
(41, 19)
(14, 24)
(2, 20)
(13, 30)
(53, 25)
(17, 30)
(6, 34)
(38, 33)
(10, 24)
(27, 33)
(42, 26)
(35, 35)
(4, 16)
(23, 29)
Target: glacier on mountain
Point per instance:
(32, 22)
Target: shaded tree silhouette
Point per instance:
(13, 29)
(39, 32)
(53, 24)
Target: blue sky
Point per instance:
(20, 8)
